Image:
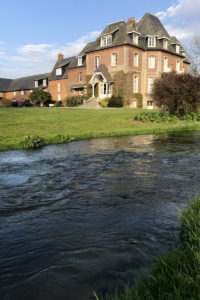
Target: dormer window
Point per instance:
(165, 44)
(152, 42)
(80, 61)
(44, 82)
(36, 83)
(135, 38)
(183, 53)
(106, 40)
(58, 71)
(177, 48)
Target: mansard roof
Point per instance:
(151, 25)
(23, 83)
(121, 33)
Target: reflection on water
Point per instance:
(91, 215)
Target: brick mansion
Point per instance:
(125, 55)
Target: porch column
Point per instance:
(93, 92)
(106, 89)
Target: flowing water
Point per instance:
(91, 215)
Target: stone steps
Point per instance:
(92, 103)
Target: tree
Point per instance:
(177, 93)
(40, 97)
(194, 56)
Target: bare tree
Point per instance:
(193, 54)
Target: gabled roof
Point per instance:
(104, 71)
(151, 25)
(173, 40)
(112, 27)
(23, 83)
(64, 64)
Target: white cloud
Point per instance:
(32, 59)
(182, 19)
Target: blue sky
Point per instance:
(33, 32)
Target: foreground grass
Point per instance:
(176, 276)
(54, 124)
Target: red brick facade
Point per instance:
(116, 51)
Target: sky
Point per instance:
(33, 32)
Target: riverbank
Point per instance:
(176, 275)
(58, 125)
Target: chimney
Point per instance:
(131, 21)
(60, 57)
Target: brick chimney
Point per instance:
(60, 57)
(131, 21)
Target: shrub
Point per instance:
(58, 103)
(27, 103)
(139, 98)
(33, 142)
(115, 101)
(104, 102)
(76, 100)
(191, 117)
(177, 93)
(155, 117)
(5, 103)
(40, 97)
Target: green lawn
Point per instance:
(54, 124)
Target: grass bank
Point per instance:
(176, 276)
(54, 124)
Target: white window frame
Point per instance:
(136, 59)
(14, 93)
(22, 93)
(149, 106)
(96, 62)
(59, 85)
(36, 83)
(166, 64)
(80, 61)
(106, 40)
(114, 59)
(135, 84)
(135, 38)
(177, 48)
(152, 61)
(151, 41)
(44, 82)
(165, 44)
(58, 71)
(150, 84)
(80, 76)
(59, 97)
(178, 66)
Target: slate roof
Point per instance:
(174, 40)
(122, 35)
(78, 86)
(65, 64)
(23, 83)
(4, 84)
(151, 25)
(102, 69)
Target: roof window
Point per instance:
(58, 71)
(106, 40)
